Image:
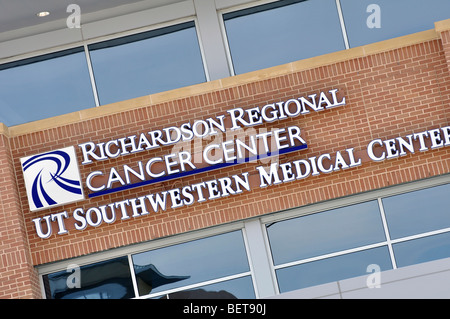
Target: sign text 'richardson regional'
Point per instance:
(217, 154)
(220, 154)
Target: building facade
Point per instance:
(249, 165)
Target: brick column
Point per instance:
(443, 28)
(18, 278)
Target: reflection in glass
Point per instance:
(147, 63)
(332, 269)
(417, 212)
(104, 280)
(273, 34)
(239, 288)
(44, 86)
(325, 232)
(422, 250)
(191, 262)
(397, 18)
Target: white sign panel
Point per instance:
(52, 178)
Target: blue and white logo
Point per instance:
(52, 178)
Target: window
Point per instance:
(44, 86)
(321, 246)
(418, 212)
(147, 63)
(422, 249)
(282, 32)
(104, 280)
(341, 243)
(196, 264)
(332, 269)
(412, 217)
(396, 18)
(301, 247)
(215, 267)
(327, 232)
(124, 68)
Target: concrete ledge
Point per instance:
(4, 129)
(441, 26)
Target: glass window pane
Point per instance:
(422, 250)
(397, 18)
(147, 63)
(104, 280)
(325, 232)
(44, 86)
(191, 262)
(270, 35)
(240, 288)
(417, 212)
(332, 269)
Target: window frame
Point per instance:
(202, 283)
(83, 45)
(222, 11)
(140, 35)
(48, 55)
(253, 227)
(152, 245)
(348, 201)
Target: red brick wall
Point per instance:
(18, 278)
(389, 94)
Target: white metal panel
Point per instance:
(211, 40)
(259, 259)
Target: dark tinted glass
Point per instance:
(417, 212)
(275, 34)
(44, 86)
(325, 232)
(332, 269)
(191, 262)
(147, 63)
(422, 250)
(239, 288)
(104, 280)
(396, 18)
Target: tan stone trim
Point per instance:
(233, 81)
(441, 26)
(4, 129)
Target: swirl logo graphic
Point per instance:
(52, 178)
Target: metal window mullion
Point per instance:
(91, 74)
(226, 44)
(421, 235)
(270, 260)
(342, 23)
(133, 276)
(330, 255)
(259, 259)
(199, 284)
(210, 38)
(386, 232)
(250, 263)
(202, 50)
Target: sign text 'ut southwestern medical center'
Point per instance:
(53, 178)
